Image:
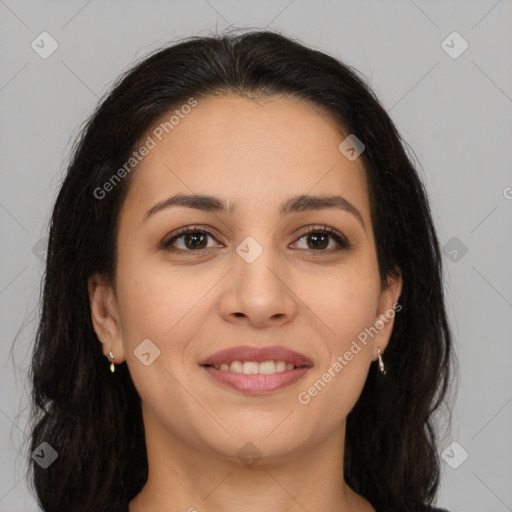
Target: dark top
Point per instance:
(421, 508)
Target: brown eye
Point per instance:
(194, 240)
(318, 239)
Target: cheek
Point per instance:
(154, 302)
(170, 314)
(349, 306)
(346, 311)
(167, 308)
(336, 385)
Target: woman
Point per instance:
(243, 301)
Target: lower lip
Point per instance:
(256, 384)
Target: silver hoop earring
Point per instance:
(112, 367)
(381, 363)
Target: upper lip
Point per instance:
(257, 354)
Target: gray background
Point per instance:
(455, 113)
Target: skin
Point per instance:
(256, 154)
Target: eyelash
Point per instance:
(325, 230)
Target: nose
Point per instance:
(260, 292)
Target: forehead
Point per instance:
(246, 150)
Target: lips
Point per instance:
(258, 355)
(256, 371)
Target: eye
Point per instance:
(195, 239)
(318, 239)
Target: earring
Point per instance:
(381, 363)
(112, 367)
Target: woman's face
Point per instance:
(250, 277)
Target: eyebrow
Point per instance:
(295, 204)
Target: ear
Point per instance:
(105, 317)
(387, 309)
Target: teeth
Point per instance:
(253, 367)
(267, 367)
(237, 367)
(250, 368)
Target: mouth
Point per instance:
(255, 368)
(251, 370)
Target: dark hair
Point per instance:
(93, 418)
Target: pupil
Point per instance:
(196, 238)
